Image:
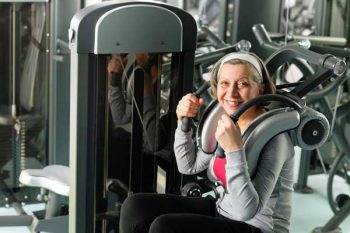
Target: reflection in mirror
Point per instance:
(137, 89)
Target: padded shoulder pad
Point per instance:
(255, 137)
(263, 129)
(208, 123)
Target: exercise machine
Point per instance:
(118, 28)
(307, 127)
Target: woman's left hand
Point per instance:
(228, 134)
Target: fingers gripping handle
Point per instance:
(185, 125)
(219, 151)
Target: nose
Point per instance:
(232, 90)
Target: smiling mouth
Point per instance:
(233, 103)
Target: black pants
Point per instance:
(166, 213)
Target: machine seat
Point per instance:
(53, 177)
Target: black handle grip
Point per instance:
(220, 153)
(185, 125)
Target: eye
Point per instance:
(242, 84)
(224, 83)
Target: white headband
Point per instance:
(245, 57)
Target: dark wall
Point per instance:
(246, 13)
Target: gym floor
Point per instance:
(309, 210)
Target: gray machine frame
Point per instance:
(107, 28)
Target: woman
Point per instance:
(120, 103)
(120, 96)
(247, 204)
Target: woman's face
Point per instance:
(237, 85)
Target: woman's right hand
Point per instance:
(115, 64)
(228, 134)
(188, 106)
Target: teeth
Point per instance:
(233, 102)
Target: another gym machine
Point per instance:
(317, 97)
(104, 25)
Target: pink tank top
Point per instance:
(220, 170)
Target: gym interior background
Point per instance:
(36, 112)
